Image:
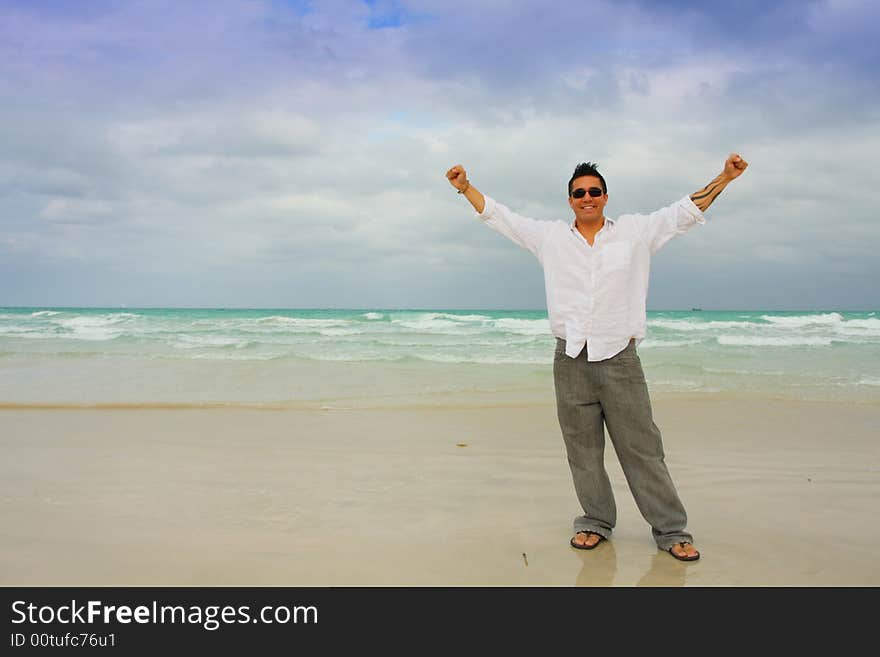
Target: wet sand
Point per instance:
(779, 493)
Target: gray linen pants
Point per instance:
(613, 392)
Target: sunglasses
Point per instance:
(580, 192)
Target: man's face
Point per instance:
(587, 208)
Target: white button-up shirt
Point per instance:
(596, 295)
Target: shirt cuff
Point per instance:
(691, 208)
(488, 208)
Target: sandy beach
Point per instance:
(779, 493)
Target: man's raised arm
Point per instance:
(457, 177)
(528, 233)
(733, 168)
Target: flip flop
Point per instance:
(681, 544)
(586, 547)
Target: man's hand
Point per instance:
(457, 177)
(734, 166)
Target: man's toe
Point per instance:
(685, 550)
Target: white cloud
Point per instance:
(76, 210)
(252, 145)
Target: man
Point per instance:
(596, 279)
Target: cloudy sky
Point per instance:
(269, 153)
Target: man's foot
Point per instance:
(684, 551)
(586, 540)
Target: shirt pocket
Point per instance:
(616, 255)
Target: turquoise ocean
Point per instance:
(327, 358)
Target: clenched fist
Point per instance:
(457, 177)
(734, 166)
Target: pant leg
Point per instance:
(639, 446)
(580, 418)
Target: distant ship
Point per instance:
(696, 309)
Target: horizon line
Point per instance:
(424, 309)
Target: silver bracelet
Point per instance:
(467, 187)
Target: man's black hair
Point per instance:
(587, 169)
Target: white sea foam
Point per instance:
(334, 332)
(199, 341)
(868, 335)
(648, 343)
(97, 320)
(795, 321)
(461, 318)
(865, 327)
(45, 313)
(768, 341)
(372, 315)
(308, 323)
(689, 325)
(16, 330)
(95, 327)
(429, 325)
(870, 323)
(523, 326)
(433, 322)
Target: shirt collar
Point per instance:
(573, 224)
